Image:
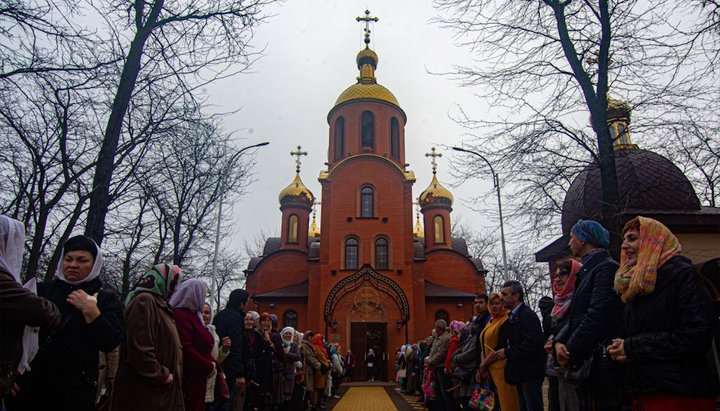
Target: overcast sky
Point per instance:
(309, 59)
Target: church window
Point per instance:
(351, 254)
(293, 229)
(367, 200)
(368, 129)
(439, 228)
(290, 319)
(381, 254)
(394, 139)
(339, 142)
(441, 315)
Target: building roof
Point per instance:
(433, 290)
(299, 290)
(646, 181)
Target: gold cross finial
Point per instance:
(297, 154)
(367, 19)
(433, 154)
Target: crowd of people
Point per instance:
(637, 332)
(630, 335)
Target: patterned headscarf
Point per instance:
(657, 245)
(590, 231)
(457, 326)
(564, 296)
(12, 243)
(161, 279)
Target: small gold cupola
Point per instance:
(296, 192)
(618, 119)
(418, 231)
(314, 229)
(435, 194)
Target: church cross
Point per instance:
(367, 19)
(297, 154)
(433, 154)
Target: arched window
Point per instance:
(394, 139)
(439, 226)
(441, 315)
(381, 254)
(293, 229)
(339, 141)
(351, 254)
(367, 200)
(290, 319)
(368, 129)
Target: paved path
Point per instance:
(374, 397)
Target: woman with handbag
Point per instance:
(668, 322)
(492, 339)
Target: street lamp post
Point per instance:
(214, 289)
(496, 183)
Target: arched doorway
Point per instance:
(361, 309)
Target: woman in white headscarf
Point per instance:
(21, 311)
(64, 373)
(197, 342)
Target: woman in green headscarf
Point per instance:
(150, 372)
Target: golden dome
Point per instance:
(367, 86)
(296, 192)
(435, 194)
(418, 231)
(314, 229)
(617, 108)
(362, 91)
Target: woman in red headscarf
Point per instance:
(321, 355)
(563, 286)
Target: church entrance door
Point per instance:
(364, 336)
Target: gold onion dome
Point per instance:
(436, 194)
(296, 192)
(617, 108)
(367, 86)
(314, 229)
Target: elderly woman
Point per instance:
(258, 362)
(492, 338)
(64, 373)
(150, 368)
(197, 342)
(321, 376)
(269, 324)
(311, 365)
(668, 322)
(292, 355)
(20, 309)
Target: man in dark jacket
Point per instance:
(593, 320)
(524, 355)
(482, 315)
(230, 322)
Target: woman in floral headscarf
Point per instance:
(150, 370)
(492, 339)
(668, 322)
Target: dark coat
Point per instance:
(18, 308)
(524, 343)
(150, 351)
(259, 364)
(230, 322)
(595, 310)
(668, 335)
(64, 373)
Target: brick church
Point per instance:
(368, 277)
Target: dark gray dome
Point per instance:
(646, 181)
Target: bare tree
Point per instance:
(546, 63)
(193, 43)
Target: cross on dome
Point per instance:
(433, 154)
(297, 154)
(367, 19)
